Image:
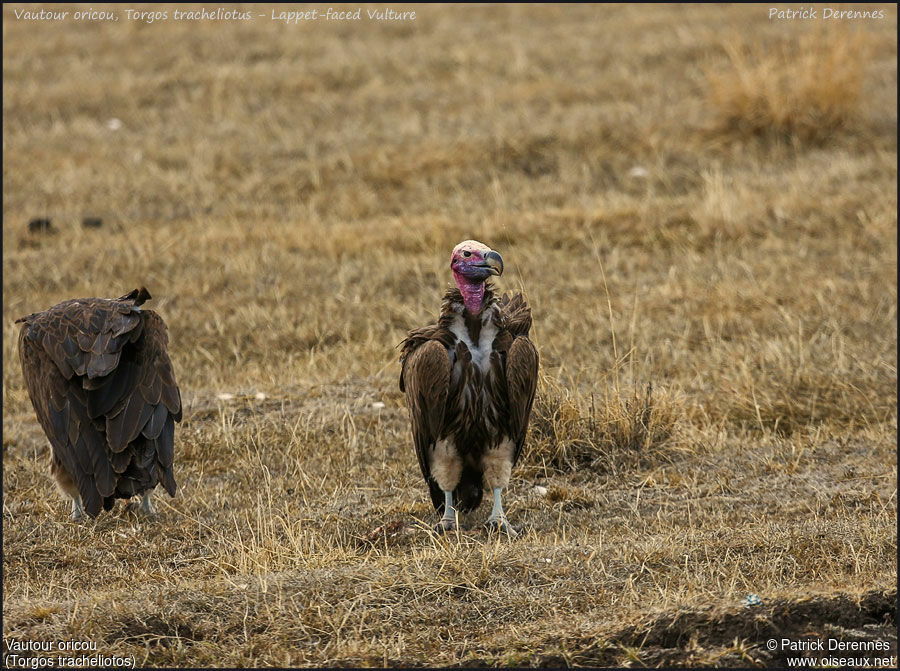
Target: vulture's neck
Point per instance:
(472, 292)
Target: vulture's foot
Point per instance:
(144, 508)
(446, 525)
(497, 522)
(147, 508)
(500, 525)
(77, 511)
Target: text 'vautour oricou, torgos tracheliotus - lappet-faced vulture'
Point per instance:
(102, 385)
(469, 382)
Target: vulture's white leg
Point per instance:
(77, 510)
(146, 506)
(497, 521)
(497, 465)
(449, 521)
(446, 467)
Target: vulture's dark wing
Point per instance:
(145, 403)
(103, 388)
(61, 410)
(426, 380)
(521, 368)
(521, 381)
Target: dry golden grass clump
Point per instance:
(604, 434)
(806, 87)
(716, 315)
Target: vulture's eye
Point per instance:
(467, 254)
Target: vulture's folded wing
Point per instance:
(76, 440)
(521, 382)
(143, 412)
(426, 380)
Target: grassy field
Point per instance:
(700, 204)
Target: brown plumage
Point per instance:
(470, 381)
(102, 386)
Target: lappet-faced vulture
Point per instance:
(469, 381)
(101, 382)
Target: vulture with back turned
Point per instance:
(100, 380)
(469, 382)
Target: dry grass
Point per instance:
(715, 309)
(808, 87)
(603, 434)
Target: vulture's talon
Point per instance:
(500, 526)
(140, 509)
(446, 526)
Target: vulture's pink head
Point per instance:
(472, 262)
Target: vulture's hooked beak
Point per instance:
(493, 262)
